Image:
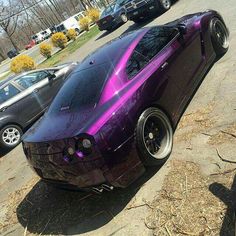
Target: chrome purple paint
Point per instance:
(80, 154)
(111, 122)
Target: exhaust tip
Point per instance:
(97, 190)
(107, 187)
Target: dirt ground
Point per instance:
(194, 193)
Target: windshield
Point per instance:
(8, 92)
(82, 89)
(107, 11)
(120, 3)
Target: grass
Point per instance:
(72, 47)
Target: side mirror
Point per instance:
(51, 77)
(182, 29)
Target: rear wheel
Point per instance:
(219, 36)
(154, 137)
(164, 5)
(10, 136)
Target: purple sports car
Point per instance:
(117, 111)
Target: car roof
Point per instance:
(13, 77)
(111, 51)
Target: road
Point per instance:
(32, 52)
(41, 209)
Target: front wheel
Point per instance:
(219, 36)
(164, 5)
(154, 137)
(10, 136)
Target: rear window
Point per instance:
(82, 89)
(8, 92)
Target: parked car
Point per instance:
(126, 97)
(70, 23)
(139, 9)
(111, 18)
(46, 33)
(53, 30)
(38, 38)
(30, 44)
(24, 98)
(13, 53)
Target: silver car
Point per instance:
(24, 98)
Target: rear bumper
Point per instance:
(91, 171)
(142, 12)
(111, 24)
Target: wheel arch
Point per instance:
(12, 123)
(158, 106)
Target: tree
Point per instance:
(9, 20)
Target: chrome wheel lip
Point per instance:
(222, 34)
(11, 136)
(166, 4)
(169, 138)
(124, 18)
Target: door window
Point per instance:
(8, 92)
(136, 62)
(148, 47)
(31, 79)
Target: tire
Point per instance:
(137, 20)
(219, 36)
(10, 136)
(123, 18)
(154, 137)
(164, 5)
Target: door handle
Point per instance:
(164, 65)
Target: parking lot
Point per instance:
(205, 133)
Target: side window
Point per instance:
(155, 40)
(136, 62)
(31, 79)
(148, 47)
(8, 92)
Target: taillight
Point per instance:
(84, 146)
(78, 147)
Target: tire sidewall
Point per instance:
(2, 143)
(162, 7)
(145, 156)
(219, 50)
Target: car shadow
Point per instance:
(228, 197)
(4, 152)
(47, 210)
